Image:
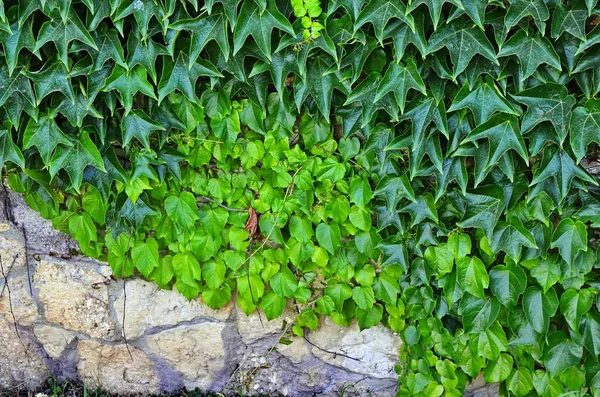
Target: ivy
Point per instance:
(419, 164)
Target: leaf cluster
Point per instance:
(418, 164)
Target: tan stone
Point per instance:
(148, 306)
(12, 248)
(20, 364)
(255, 327)
(70, 300)
(23, 306)
(298, 351)
(377, 348)
(54, 339)
(111, 368)
(196, 351)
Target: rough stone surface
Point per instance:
(21, 364)
(53, 339)
(196, 351)
(372, 352)
(148, 307)
(12, 248)
(255, 326)
(19, 300)
(112, 366)
(39, 231)
(67, 292)
(478, 388)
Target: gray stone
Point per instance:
(478, 388)
(195, 351)
(373, 352)
(66, 289)
(12, 248)
(19, 302)
(113, 369)
(21, 366)
(53, 339)
(255, 327)
(148, 307)
(39, 231)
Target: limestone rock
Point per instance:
(53, 339)
(39, 231)
(196, 351)
(66, 289)
(111, 368)
(12, 248)
(297, 352)
(478, 388)
(255, 327)
(24, 307)
(148, 306)
(377, 348)
(21, 366)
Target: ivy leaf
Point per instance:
(561, 171)
(503, 134)
(422, 112)
(440, 259)
(339, 293)
(511, 237)
(531, 51)
(574, 304)
(128, 83)
(547, 273)
(45, 135)
(138, 125)
(9, 151)
(585, 127)
(53, 78)
(75, 158)
(108, 47)
(204, 28)
(402, 35)
(498, 370)
(520, 9)
(379, 12)
(590, 332)
(187, 269)
(435, 8)
(16, 82)
(364, 297)
(182, 209)
(548, 102)
(213, 273)
(562, 354)
(144, 53)
(520, 381)
(176, 76)
(568, 20)
(393, 189)
(272, 304)
(284, 283)
(145, 256)
(478, 314)
(483, 100)
(329, 237)
(507, 284)
(570, 237)
(399, 79)
(539, 308)
(14, 41)
(483, 210)
(62, 31)
(463, 41)
(473, 275)
(259, 24)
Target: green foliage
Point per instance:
(416, 164)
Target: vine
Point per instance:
(416, 164)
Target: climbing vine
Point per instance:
(416, 164)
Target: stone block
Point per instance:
(113, 369)
(74, 296)
(148, 307)
(197, 352)
(374, 352)
(21, 365)
(53, 339)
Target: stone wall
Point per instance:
(64, 316)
